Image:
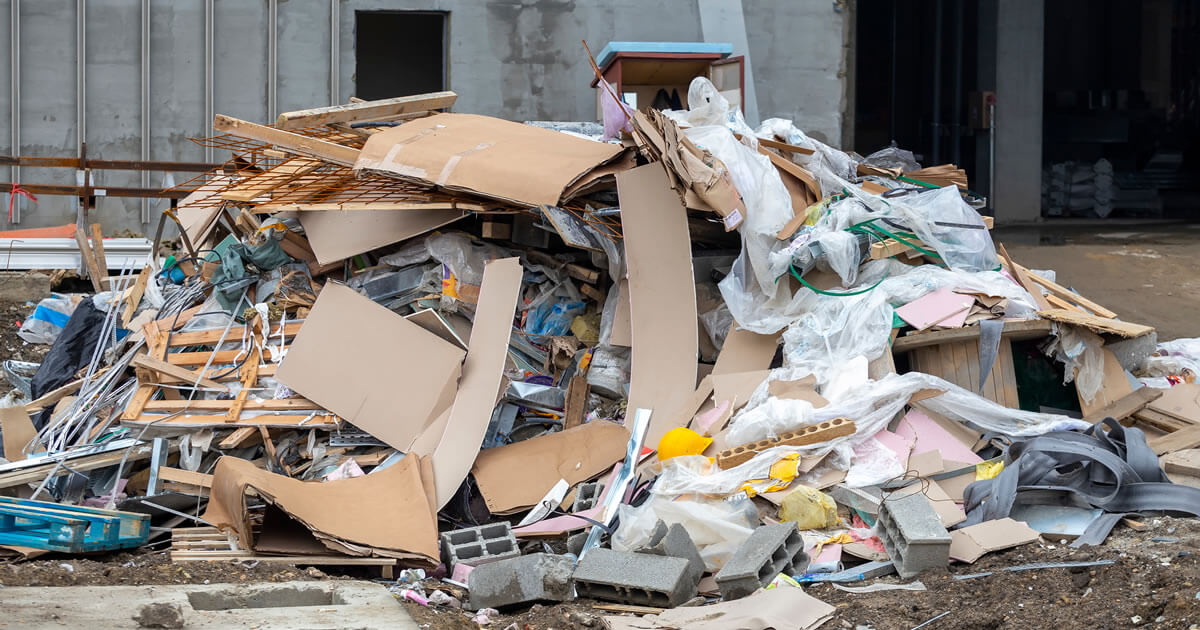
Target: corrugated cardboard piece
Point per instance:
(387, 513)
(662, 296)
(970, 543)
(369, 365)
(335, 235)
(486, 156)
(483, 370)
(517, 476)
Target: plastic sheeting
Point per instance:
(717, 527)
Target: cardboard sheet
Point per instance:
(621, 334)
(486, 156)
(335, 235)
(928, 435)
(970, 543)
(385, 513)
(517, 476)
(942, 308)
(803, 389)
(737, 386)
(745, 351)
(662, 297)
(947, 509)
(369, 365)
(777, 608)
(482, 372)
(17, 430)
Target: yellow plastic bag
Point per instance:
(808, 508)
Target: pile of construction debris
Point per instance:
(694, 359)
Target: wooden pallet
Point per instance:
(152, 403)
(209, 544)
(69, 528)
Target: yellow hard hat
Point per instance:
(681, 441)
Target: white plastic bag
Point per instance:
(47, 320)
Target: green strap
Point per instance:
(796, 275)
(869, 228)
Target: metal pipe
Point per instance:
(335, 36)
(81, 72)
(14, 172)
(272, 59)
(209, 106)
(935, 123)
(956, 116)
(145, 94)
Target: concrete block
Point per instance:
(675, 541)
(856, 498)
(769, 551)
(587, 496)
(635, 578)
(521, 580)
(24, 286)
(575, 542)
(913, 534)
(479, 545)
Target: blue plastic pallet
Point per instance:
(69, 528)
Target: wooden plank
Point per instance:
(368, 206)
(1186, 462)
(1069, 295)
(1058, 302)
(304, 145)
(1022, 277)
(630, 608)
(1126, 405)
(184, 374)
(1095, 323)
(1159, 421)
(271, 179)
(243, 436)
(98, 254)
(286, 404)
(1177, 441)
(209, 337)
(783, 146)
(192, 422)
(249, 380)
(95, 274)
(583, 274)
(35, 474)
(226, 556)
(576, 403)
(48, 399)
(1007, 385)
(366, 110)
(134, 297)
(189, 477)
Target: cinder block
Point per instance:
(521, 580)
(675, 541)
(479, 545)
(769, 551)
(634, 578)
(913, 534)
(587, 496)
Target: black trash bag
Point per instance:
(71, 351)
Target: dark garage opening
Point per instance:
(399, 53)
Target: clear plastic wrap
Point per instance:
(1178, 358)
(946, 223)
(412, 252)
(1081, 352)
(47, 320)
(893, 157)
(464, 257)
(717, 527)
(717, 323)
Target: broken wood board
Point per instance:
(958, 362)
(1021, 275)
(396, 362)
(294, 142)
(482, 373)
(1185, 462)
(1068, 295)
(1095, 323)
(1125, 406)
(662, 294)
(378, 110)
(1185, 438)
(1014, 330)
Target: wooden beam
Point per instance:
(189, 477)
(255, 186)
(1096, 324)
(98, 254)
(304, 145)
(95, 274)
(1013, 330)
(1069, 295)
(374, 205)
(243, 436)
(1020, 274)
(184, 374)
(1126, 405)
(134, 297)
(365, 111)
(1177, 441)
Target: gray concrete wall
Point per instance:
(1019, 85)
(517, 59)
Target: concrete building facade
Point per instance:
(135, 79)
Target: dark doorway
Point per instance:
(399, 53)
